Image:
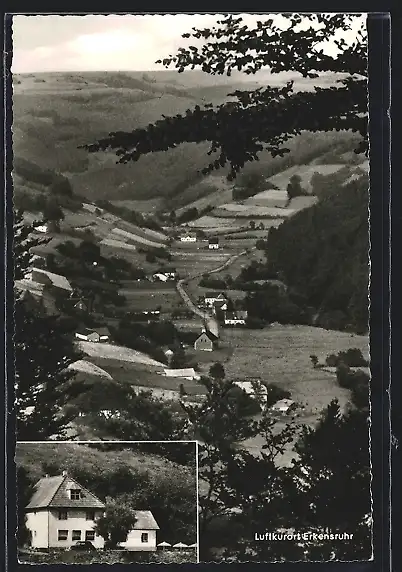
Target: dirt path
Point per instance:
(186, 297)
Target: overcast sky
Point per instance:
(102, 43)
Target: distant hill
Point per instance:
(54, 113)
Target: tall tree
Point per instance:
(265, 118)
(116, 523)
(25, 490)
(43, 349)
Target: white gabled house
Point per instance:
(236, 318)
(188, 237)
(142, 538)
(101, 334)
(61, 513)
(213, 244)
(212, 297)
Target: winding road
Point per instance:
(186, 297)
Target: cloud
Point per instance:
(104, 43)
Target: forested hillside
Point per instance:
(322, 255)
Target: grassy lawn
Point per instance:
(281, 355)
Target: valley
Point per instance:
(125, 213)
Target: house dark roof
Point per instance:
(53, 492)
(214, 241)
(209, 335)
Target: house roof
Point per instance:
(52, 492)
(145, 520)
(56, 279)
(214, 241)
(186, 372)
(101, 331)
(283, 404)
(209, 335)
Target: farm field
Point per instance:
(142, 377)
(249, 211)
(141, 299)
(198, 263)
(281, 180)
(223, 225)
(270, 198)
(118, 244)
(150, 206)
(280, 354)
(93, 349)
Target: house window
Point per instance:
(90, 535)
(75, 494)
(90, 515)
(144, 537)
(76, 535)
(62, 535)
(62, 515)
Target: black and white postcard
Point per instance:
(191, 252)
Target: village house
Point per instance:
(100, 334)
(256, 389)
(213, 243)
(206, 341)
(283, 406)
(61, 513)
(219, 307)
(43, 228)
(143, 536)
(211, 297)
(165, 274)
(188, 237)
(188, 373)
(236, 318)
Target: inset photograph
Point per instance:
(107, 503)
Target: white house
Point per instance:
(212, 297)
(186, 373)
(188, 237)
(237, 318)
(101, 334)
(61, 512)
(143, 536)
(42, 228)
(159, 276)
(283, 406)
(255, 389)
